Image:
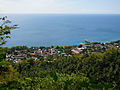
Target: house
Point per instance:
(19, 61)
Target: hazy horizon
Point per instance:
(60, 6)
(65, 13)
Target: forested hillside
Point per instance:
(81, 71)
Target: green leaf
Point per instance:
(54, 76)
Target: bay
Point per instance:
(62, 29)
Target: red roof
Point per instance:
(19, 61)
(38, 60)
(38, 51)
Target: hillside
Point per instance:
(96, 69)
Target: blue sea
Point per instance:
(63, 29)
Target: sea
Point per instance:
(62, 29)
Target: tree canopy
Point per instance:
(5, 29)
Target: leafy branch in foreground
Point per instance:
(5, 29)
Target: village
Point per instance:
(19, 53)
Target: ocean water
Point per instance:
(63, 29)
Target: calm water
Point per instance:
(47, 30)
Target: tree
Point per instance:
(5, 29)
(7, 72)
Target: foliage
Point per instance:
(7, 74)
(93, 70)
(5, 30)
(3, 53)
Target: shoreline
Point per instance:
(63, 45)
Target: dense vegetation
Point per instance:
(82, 71)
(87, 71)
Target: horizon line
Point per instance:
(63, 13)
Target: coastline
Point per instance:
(62, 45)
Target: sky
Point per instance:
(61, 6)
